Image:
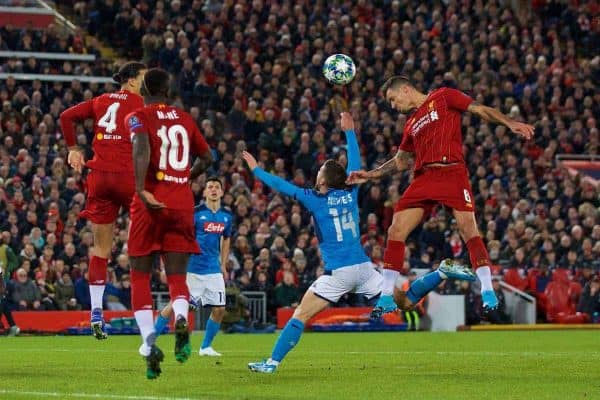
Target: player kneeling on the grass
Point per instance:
(206, 271)
(334, 208)
(110, 181)
(162, 211)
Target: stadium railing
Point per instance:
(47, 55)
(56, 78)
(521, 306)
(257, 306)
(34, 14)
(58, 17)
(588, 165)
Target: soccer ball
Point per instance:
(339, 69)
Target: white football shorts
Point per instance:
(360, 278)
(209, 289)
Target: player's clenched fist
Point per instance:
(358, 177)
(346, 121)
(76, 159)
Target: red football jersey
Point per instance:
(173, 137)
(111, 143)
(433, 132)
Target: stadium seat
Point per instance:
(532, 274)
(513, 277)
(562, 298)
(560, 275)
(496, 270)
(577, 318)
(557, 295)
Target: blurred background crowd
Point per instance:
(249, 72)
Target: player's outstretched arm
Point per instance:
(141, 159)
(353, 151)
(494, 115)
(400, 162)
(274, 182)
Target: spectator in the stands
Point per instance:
(82, 291)
(24, 293)
(286, 293)
(502, 313)
(589, 303)
(65, 293)
(118, 293)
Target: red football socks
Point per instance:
(177, 287)
(393, 257)
(478, 253)
(97, 270)
(141, 297)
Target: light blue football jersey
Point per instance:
(335, 214)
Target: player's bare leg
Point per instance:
(403, 223)
(103, 238)
(310, 306)
(480, 259)
(141, 301)
(212, 327)
(175, 267)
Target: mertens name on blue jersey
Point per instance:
(210, 228)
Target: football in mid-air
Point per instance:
(339, 69)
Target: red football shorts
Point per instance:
(107, 193)
(165, 230)
(448, 185)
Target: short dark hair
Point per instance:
(214, 178)
(155, 83)
(128, 71)
(335, 175)
(395, 82)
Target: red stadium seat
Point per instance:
(562, 298)
(561, 275)
(514, 278)
(532, 274)
(557, 295)
(577, 318)
(496, 270)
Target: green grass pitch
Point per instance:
(329, 366)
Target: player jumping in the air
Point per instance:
(206, 271)
(334, 207)
(110, 180)
(432, 135)
(162, 210)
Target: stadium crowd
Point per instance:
(250, 73)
